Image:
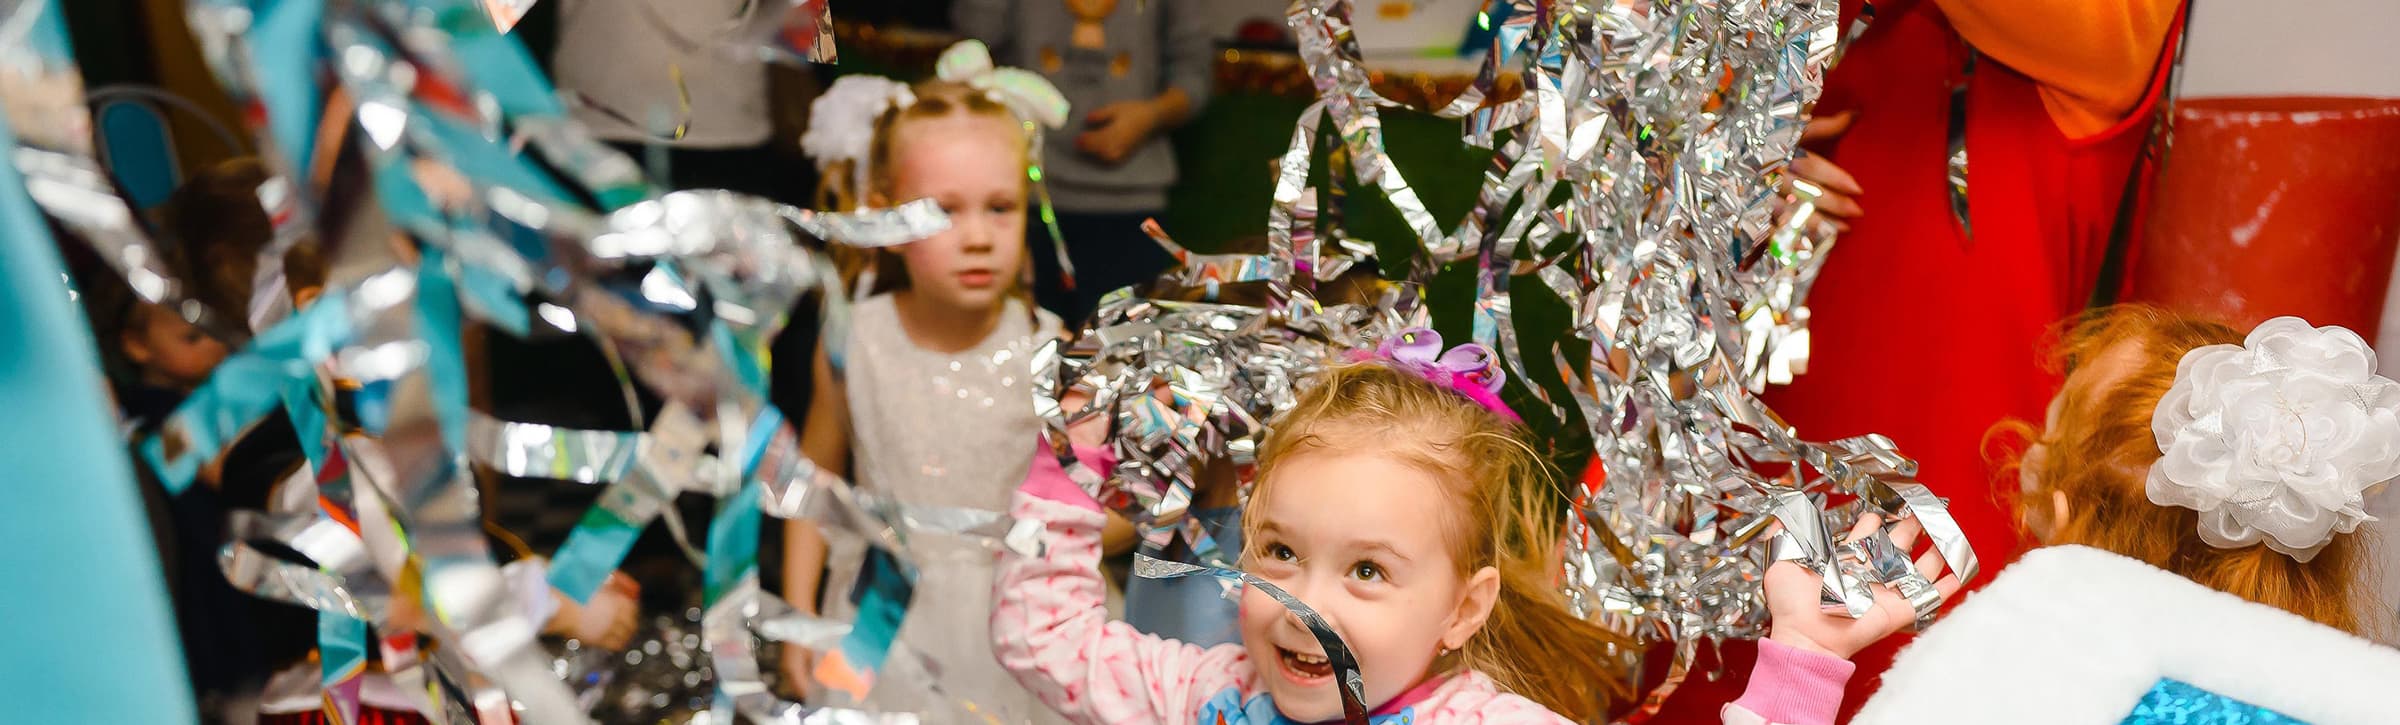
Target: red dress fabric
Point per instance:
(1921, 332)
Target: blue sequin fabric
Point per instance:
(2174, 702)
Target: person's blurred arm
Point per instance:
(1186, 66)
(1188, 63)
(984, 20)
(825, 438)
(1117, 536)
(2092, 58)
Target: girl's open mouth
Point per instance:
(1305, 669)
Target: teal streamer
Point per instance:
(244, 389)
(438, 319)
(342, 657)
(733, 533)
(732, 543)
(341, 638)
(48, 36)
(285, 41)
(497, 300)
(744, 364)
(88, 616)
(484, 160)
(601, 539)
(497, 63)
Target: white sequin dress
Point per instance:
(947, 430)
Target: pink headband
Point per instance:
(1470, 369)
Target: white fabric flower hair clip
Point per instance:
(2277, 440)
(841, 122)
(841, 125)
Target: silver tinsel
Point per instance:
(1635, 178)
(1664, 127)
(444, 117)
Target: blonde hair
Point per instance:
(934, 99)
(2100, 454)
(1506, 516)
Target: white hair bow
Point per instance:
(2277, 440)
(1026, 93)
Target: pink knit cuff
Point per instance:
(1047, 480)
(1792, 686)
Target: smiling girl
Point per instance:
(1401, 502)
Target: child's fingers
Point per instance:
(1930, 565)
(1904, 535)
(1949, 586)
(1866, 525)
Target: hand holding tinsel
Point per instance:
(1176, 384)
(1802, 620)
(606, 621)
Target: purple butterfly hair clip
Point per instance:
(1470, 369)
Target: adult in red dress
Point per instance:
(1923, 330)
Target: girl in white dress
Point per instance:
(932, 404)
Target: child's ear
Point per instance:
(1482, 592)
(2058, 508)
(136, 350)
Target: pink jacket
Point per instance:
(1051, 629)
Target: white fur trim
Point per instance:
(2072, 634)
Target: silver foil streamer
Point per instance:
(1635, 178)
(685, 288)
(1337, 652)
(1669, 125)
(43, 97)
(1181, 384)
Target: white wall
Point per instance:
(2293, 47)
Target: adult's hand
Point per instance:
(1837, 193)
(1114, 131)
(608, 620)
(795, 667)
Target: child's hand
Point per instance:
(608, 620)
(1090, 432)
(1800, 621)
(1115, 130)
(795, 666)
(1093, 432)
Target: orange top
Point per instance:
(2092, 59)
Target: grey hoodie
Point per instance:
(1147, 47)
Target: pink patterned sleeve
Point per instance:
(1050, 629)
